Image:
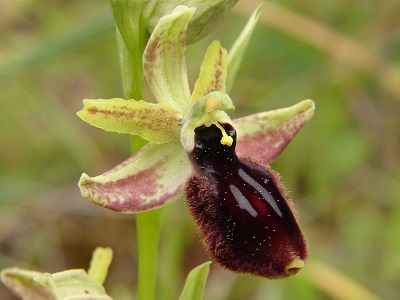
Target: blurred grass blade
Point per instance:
(71, 35)
(195, 283)
(235, 54)
(329, 41)
(334, 283)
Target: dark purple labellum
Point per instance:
(242, 210)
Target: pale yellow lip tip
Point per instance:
(294, 266)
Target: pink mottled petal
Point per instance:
(149, 179)
(265, 135)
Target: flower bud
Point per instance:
(207, 15)
(241, 209)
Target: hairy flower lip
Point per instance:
(244, 214)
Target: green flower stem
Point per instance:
(148, 230)
(148, 223)
(132, 39)
(131, 69)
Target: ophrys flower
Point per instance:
(177, 127)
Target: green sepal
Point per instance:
(157, 123)
(195, 283)
(164, 60)
(212, 72)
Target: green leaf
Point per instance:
(266, 134)
(164, 60)
(157, 123)
(235, 55)
(151, 178)
(212, 72)
(195, 283)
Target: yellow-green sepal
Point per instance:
(157, 123)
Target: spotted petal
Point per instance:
(151, 178)
(157, 123)
(164, 60)
(213, 72)
(265, 135)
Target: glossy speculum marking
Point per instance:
(242, 210)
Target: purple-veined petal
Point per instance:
(164, 60)
(265, 135)
(213, 72)
(151, 178)
(157, 123)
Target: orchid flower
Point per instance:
(197, 152)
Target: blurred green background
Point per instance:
(342, 169)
